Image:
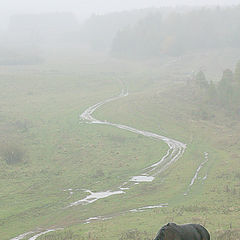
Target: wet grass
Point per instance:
(40, 109)
(61, 153)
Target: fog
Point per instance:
(111, 108)
(85, 8)
(30, 27)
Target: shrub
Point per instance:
(135, 234)
(12, 154)
(229, 235)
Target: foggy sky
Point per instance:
(85, 8)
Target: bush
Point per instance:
(135, 234)
(12, 154)
(230, 234)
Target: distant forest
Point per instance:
(99, 31)
(224, 94)
(179, 33)
(146, 33)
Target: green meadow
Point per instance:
(39, 116)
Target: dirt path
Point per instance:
(195, 177)
(175, 151)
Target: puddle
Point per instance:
(195, 177)
(175, 151)
(22, 236)
(142, 209)
(94, 196)
(142, 179)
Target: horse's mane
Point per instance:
(172, 227)
(162, 230)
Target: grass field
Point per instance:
(39, 113)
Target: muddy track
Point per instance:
(175, 151)
(195, 177)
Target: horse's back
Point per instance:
(183, 232)
(195, 231)
(203, 231)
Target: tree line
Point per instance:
(225, 93)
(179, 33)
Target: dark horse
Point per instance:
(172, 231)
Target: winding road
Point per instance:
(175, 151)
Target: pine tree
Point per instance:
(212, 92)
(225, 88)
(237, 73)
(227, 76)
(201, 79)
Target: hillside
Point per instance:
(97, 146)
(179, 33)
(63, 156)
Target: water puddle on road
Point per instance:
(142, 179)
(195, 177)
(94, 196)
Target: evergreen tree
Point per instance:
(201, 79)
(212, 92)
(237, 73)
(227, 76)
(225, 88)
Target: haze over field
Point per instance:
(117, 117)
(85, 8)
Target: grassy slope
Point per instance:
(62, 154)
(215, 202)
